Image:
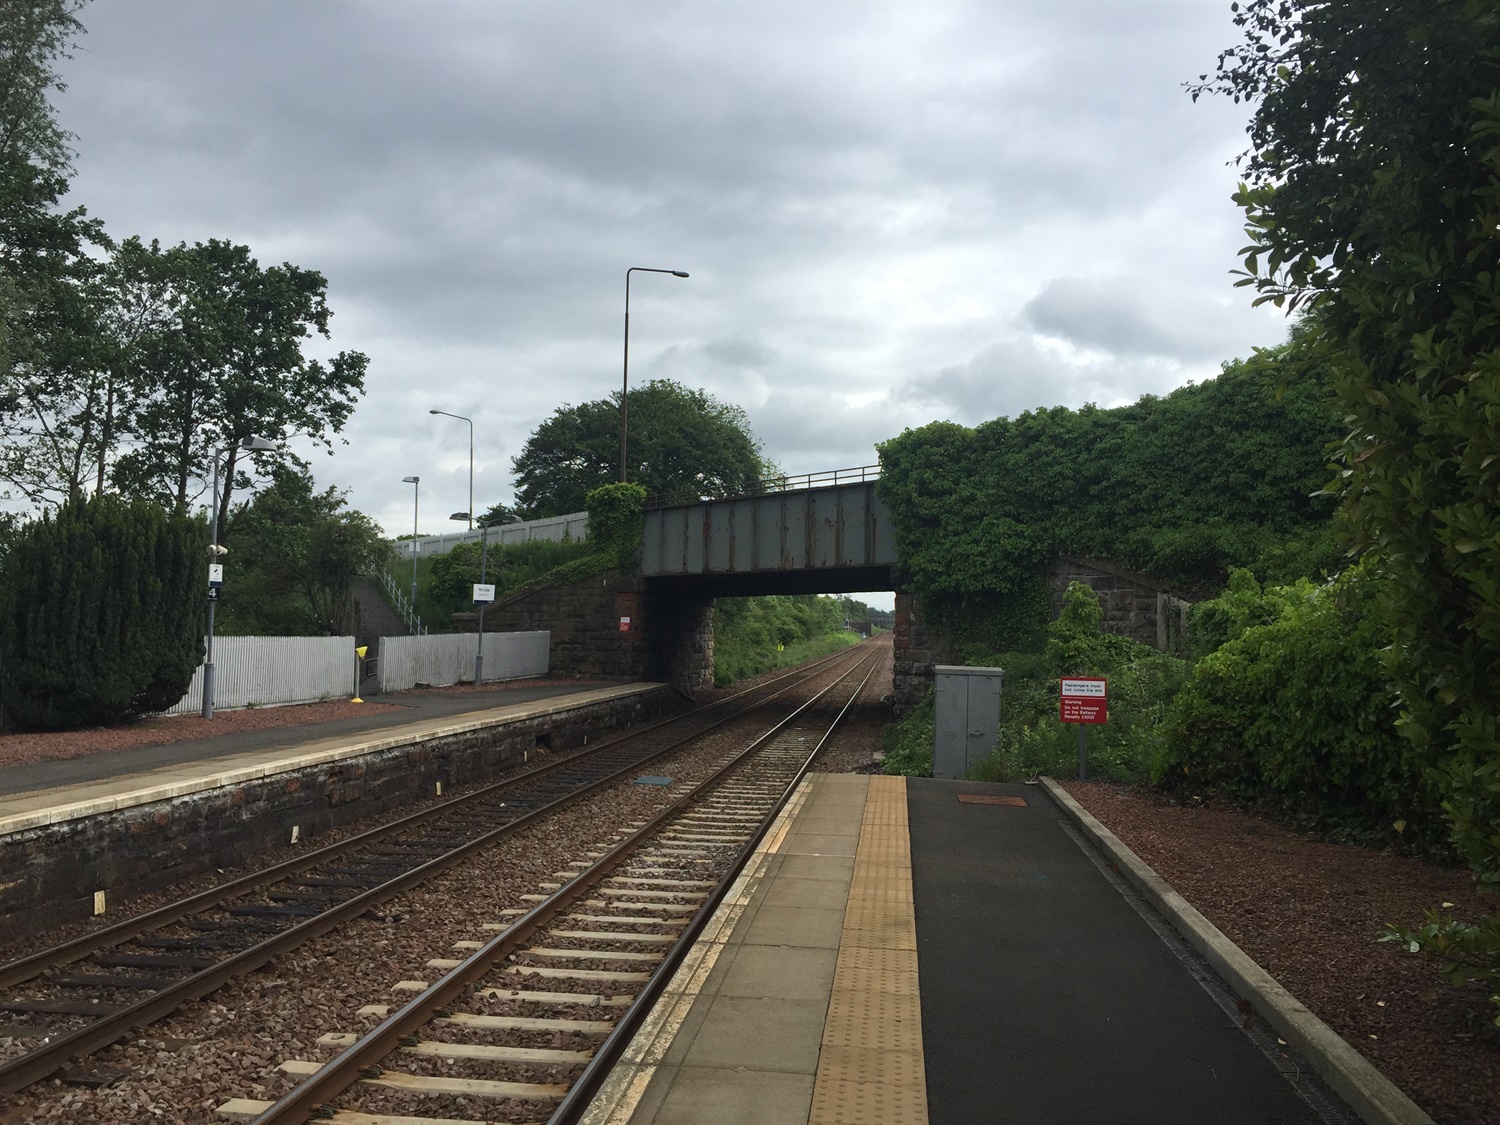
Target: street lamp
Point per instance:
(461, 418)
(216, 569)
(416, 488)
(484, 551)
(625, 380)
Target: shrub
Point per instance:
(1296, 708)
(102, 609)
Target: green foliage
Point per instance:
(101, 613)
(34, 36)
(617, 516)
(1032, 739)
(1296, 709)
(680, 439)
(908, 741)
(298, 555)
(1181, 488)
(1373, 197)
(453, 574)
(754, 635)
(1465, 951)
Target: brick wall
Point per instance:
(1133, 605)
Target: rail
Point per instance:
(799, 482)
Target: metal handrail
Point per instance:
(402, 606)
(794, 483)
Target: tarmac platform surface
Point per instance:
(415, 706)
(52, 792)
(899, 952)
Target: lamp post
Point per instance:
(416, 488)
(216, 552)
(461, 418)
(625, 379)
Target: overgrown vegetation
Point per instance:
(102, 612)
(1032, 739)
(449, 588)
(1183, 487)
(754, 635)
(1372, 198)
(298, 554)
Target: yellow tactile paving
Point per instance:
(870, 1067)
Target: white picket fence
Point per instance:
(267, 670)
(448, 658)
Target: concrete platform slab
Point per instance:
(984, 970)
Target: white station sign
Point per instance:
(484, 593)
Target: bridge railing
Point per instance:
(797, 483)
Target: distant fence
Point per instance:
(265, 670)
(553, 529)
(448, 658)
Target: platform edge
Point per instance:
(1372, 1095)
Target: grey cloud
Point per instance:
(861, 193)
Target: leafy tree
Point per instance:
(298, 554)
(497, 514)
(680, 439)
(1373, 198)
(230, 366)
(101, 613)
(34, 35)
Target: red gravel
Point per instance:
(1309, 913)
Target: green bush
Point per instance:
(102, 608)
(1296, 708)
(1032, 739)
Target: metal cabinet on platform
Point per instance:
(968, 718)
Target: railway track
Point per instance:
(78, 997)
(528, 1021)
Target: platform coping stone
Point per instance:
(871, 1066)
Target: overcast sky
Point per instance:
(891, 213)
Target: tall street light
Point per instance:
(216, 568)
(461, 418)
(416, 488)
(625, 381)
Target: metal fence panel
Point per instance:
(552, 529)
(267, 670)
(448, 658)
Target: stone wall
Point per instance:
(1133, 605)
(52, 872)
(668, 636)
(917, 646)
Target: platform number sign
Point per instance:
(1083, 700)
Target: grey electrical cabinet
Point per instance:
(968, 718)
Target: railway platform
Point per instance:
(417, 709)
(78, 835)
(911, 951)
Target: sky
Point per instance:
(890, 213)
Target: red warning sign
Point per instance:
(1084, 699)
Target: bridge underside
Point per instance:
(753, 583)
